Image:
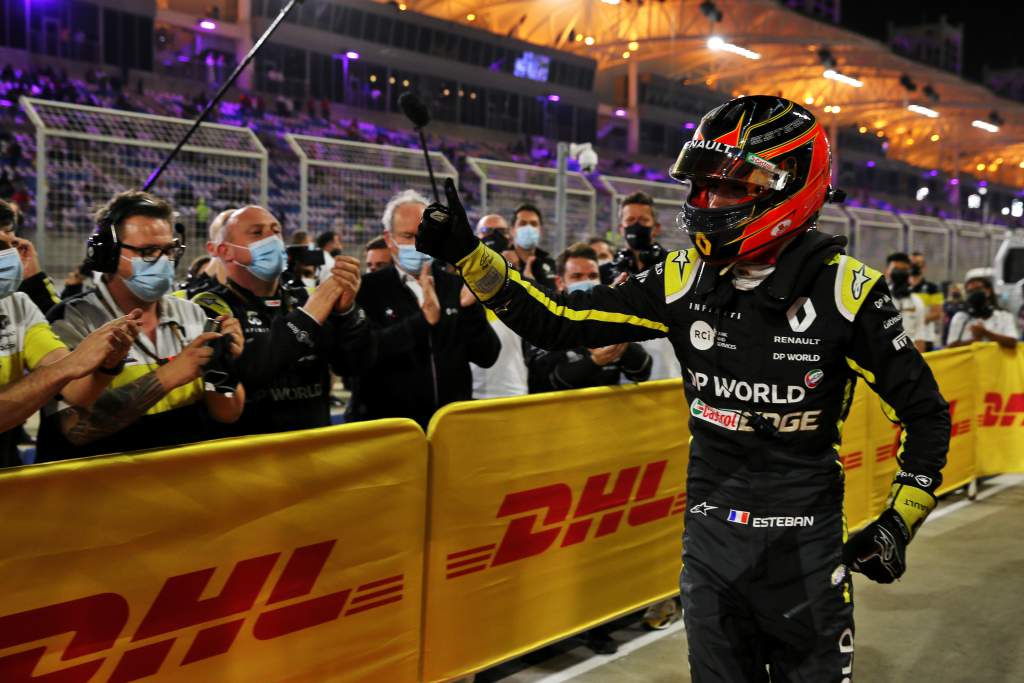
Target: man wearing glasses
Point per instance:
(156, 397)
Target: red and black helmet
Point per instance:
(768, 161)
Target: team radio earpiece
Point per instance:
(102, 250)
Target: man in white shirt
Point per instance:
(981, 320)
(508, 376)
(911, 307)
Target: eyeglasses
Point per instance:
(173, 251)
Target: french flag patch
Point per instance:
(739, 516)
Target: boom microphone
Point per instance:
(417, 113)
(414, 110)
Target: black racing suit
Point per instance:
(769, 378)
(285, 365)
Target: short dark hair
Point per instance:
(376, 243)
(299, 237)
(124, 205)
(323, 238)
(578, 250)
(900, 256)
(10, 215)
(526, 207)
(594, 240)
(639, 197)
(985, 281)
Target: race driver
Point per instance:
(773, 324)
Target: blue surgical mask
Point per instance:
(410, 260)
(268, 258)
(581, 286)
(527, 237)
(150, 281)
(11, 272)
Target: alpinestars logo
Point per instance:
(857, 284)
(801, 314)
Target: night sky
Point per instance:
(992, 34)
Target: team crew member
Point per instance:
(292, 338)
(213, 272)
(773, 323)
(982, 320)
(156, 396)
(524, 254)
(582, 367)
(35, 283)
(28, 345)
(931, 295)
(639, 227)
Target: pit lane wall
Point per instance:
(345, 554)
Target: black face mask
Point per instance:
(978, 304)
(497, 240)
(900, 278)
(638, 237)
(915, 270)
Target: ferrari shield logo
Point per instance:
(702, 243)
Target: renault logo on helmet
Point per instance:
(703, 243)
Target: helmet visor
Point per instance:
(707, 159)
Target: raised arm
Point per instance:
(633, 311)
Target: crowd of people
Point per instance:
(255, 338)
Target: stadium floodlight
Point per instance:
(208, 25)
(1017, 208)
(1005, 211)
(719, 45)
(611, 2)
(923, 111)
(985, 125)
(982, 190)
(834, 75)
(922, 192)
(974, 201)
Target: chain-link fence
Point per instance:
(505, 185)
(84, 155)
(344, 185)
(668, 202)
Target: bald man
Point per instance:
(293, 338)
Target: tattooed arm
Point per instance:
(117, 408)
(114, 410)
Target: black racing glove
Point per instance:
(879, 551)
(444, 231)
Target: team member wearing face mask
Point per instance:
(981, 320)
(157, 396)
(293, 339)
(911, 306)
(639, 228)
(35, 283)
(427, 329)
(525, 256)
(583, 367)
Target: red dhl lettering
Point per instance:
(889, 450)
(958, 428)
(852, 460)
(630, 498)
(97, 621)
(1002, 412)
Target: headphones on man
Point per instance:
(102, 250)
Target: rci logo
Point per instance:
(96, 621)
(529, 535)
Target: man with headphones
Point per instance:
(156, 396)
(773, 324)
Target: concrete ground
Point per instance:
(957, 617)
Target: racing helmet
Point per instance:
(759, 169)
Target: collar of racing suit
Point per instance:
(795, 269)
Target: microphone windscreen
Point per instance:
(413, 109)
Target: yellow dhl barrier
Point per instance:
(294, 557)
(299, 557)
